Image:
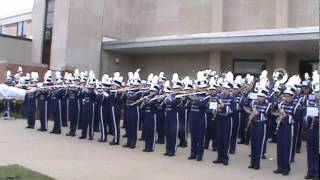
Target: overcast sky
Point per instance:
(11, 7)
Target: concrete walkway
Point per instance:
(70, 158)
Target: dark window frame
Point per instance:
(248, 61)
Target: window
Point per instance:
(244, 66)
(2, 29)
(22, 29)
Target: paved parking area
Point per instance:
(69, 158)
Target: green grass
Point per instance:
(17, 172)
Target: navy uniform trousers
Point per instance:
(313, 149)
(224, 130)
(43, 110)
(160, 124)
(149, 127)
(88, 116)
(57, 116)
(74, 114)
(132, 123)
(258, 139)
(285, 144)
(183, 126)
(171, 129)
(198, 126)
(211, 132)
(31, 109)
(236, 116)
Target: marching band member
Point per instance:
(31, 100)
(211, 116)
(172, 107)
(43, 98)
(226, 107)
(150, 121)
(89, 97)
(115, 98)
(161, 112)
(312, 122)
(198, 119)
(184, 113)
(236, 115)
(73, 94)
(132, 111)
(289, 112)
(258, 120)
(57, 92)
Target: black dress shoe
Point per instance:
(144, 150)
(308, 177)
(226, 163)
(141, 139)
(191, 157)
(90, 138)
(285, 173)
(232, 152)
(102, 140)
(205, 147)
(160, 142)
(277, 171)
(125, 135)
(82, 137)
(165, 154)
(240, 142)
(256, 168)
(113, 143)
(42, 130)
(199, 158)
(214, 148)
(170, 155)
(264, 156)
(251, 167)
(132, 146)
(298, 151)
(126, 145)
(217, 161)
(52, 132)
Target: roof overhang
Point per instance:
(304, 39)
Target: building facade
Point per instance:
(243, 36)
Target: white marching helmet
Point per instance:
(166, 87)
(130, 78)
(76, 75)
(59, 78)
(92, 78)
(117, 79)
(149, 79)
(263, 92)
(212, 83)
(8, 76)
(176, 83)
(187, 82)
(315, 81)
(201, 80)
(136, 78)
(47, 77)
(154, 83)
(106, 81)
(34, 76)
(162, 77)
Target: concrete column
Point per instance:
(280, 60)
(38, 20)
(282, 13)
(76, 41)
(215, 61)
(217, 16)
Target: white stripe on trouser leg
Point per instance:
(239, 121)
(185, 124)
(114, 126)
(102, 125)
(60, 115)
(68, 112)
(46, 114)
(155, 127)
(78, 115)
(263, 140)
(291, 144)
(177, 136)
(230, 135)
(92, 120)
(138, 118)
(205, 127)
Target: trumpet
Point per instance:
(140, 100)
(253, 114)
(190, 94)
(281, 115)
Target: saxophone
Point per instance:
(253, 114)
(279, 119)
